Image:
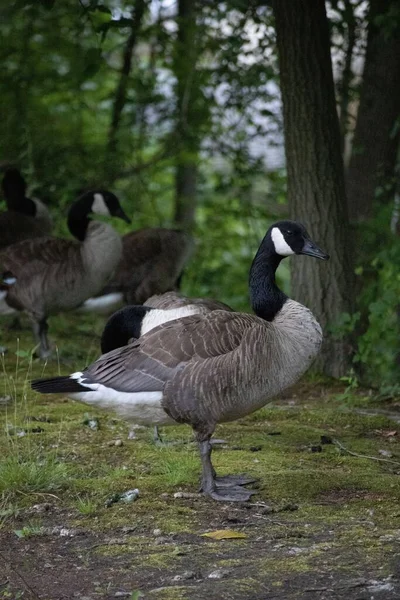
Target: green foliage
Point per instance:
(379, 348)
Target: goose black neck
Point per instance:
(78, 217)
(123, 325)
(266, 298)
(24, 205)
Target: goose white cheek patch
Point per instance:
(99, 206)
(281, 246)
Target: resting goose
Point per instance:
(152, 263)
(210, 368)
(25, 217)
(132, 322)
(54, 274)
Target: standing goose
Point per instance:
(7, 280)
(25, 217)
(54, 274)
(208, 369)
(152, 263)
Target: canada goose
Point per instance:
(208, 369)
(152, 263)
(7, 280)
(134, 321)
(25, 217)
(56, 274)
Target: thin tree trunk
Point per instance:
(315, 170)
(187, 136)
(347, 73)
(374, 145)
(122, 89)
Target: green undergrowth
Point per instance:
(49, 451)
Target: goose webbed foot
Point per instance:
(227, 488)
(231, 494)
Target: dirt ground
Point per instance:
(281, 558)
(324, 524)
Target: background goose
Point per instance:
(56, 274)
(211, 368)
(132, 322)
(7, 280)
(152, 263)
(25, 217)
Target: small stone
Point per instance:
(165, 495)
(184, 576)
(326, 439)
(157, 532)
(255, 448)
(385, 453)
(132, 435)
(186, 495)
(317, 448)
(219, 574)
(4, 400)
(40, 508)
(118, 443)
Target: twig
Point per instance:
(28, 587)
(344, 449)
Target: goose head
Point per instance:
(106, 203)
(13, 186)
(99, 202)
(291, 237)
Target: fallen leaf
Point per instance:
(224, 534)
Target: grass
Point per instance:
(48, 453)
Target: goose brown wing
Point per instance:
(148, 364)
(15, 227)
(171, 300)
(36, 254)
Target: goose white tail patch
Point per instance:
(139, 407)
(157, 317)
(99, 205)
(281, 246)
(4, 308)
(103, 304)
(9, 280)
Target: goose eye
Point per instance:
(289, 232)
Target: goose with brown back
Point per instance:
(25, 217)
(152, 263)
(210, 368)
(54, 274)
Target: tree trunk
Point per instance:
(347, 74)
(111, 160)
(315, 170)
(374, 147)
(186, 134)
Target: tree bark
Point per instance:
(316, 191)
(186, 134)
(122, 89)
(374, 147)
(347, 73)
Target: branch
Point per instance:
(122, 87)
(344, 449)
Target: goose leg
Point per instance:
(40, 329)
(225, 489)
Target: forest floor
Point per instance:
(325, 524)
